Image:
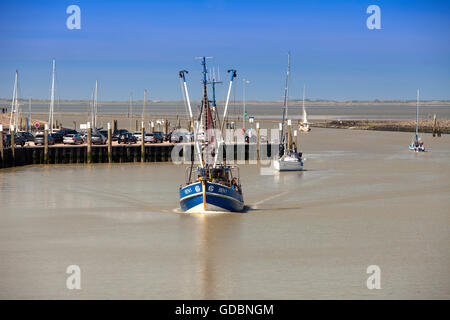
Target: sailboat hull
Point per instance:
(213, 198)
(416, 149)
(281, 165)
(304, 128)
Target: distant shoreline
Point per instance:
(309, 103)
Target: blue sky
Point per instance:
(135, 45)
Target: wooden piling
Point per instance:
(2, 154)
(434, 125)
(109, 143)
(89, 143)
(296, 137)
(289, 133)
(12, 131)
(143, 141)
(46, 144)
(257, 140)
(115, 125)
(74, 125)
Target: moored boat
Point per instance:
(289, 159)
(417, 143)
(304, 125)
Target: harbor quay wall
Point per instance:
(119, 154)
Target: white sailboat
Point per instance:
(304, 125)
(288, 158)
(417, 144)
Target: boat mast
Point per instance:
(94, 123)
(52, 99)
(214, 104)
(91, 107)
(145, 102)
(417, 116)
(206, 111)
(29, 114)
(130, 110)
(305, 121)
(14, 103)
(285, 110)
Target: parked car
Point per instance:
(117, 133)
(26, 135)
(72, 139)
(138, 135)
(127, 138)
(98, 138)
(149, 137)
(167, 136)
(18, 140)
(58, 137)
(39, 139)
(68, 131)
(104, 133)
(176, 137)
(158, 136)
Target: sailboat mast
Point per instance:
(16, 120)
(29, 114)
(417, 115)
(92, 107)
(303, 105)
(130, 110)
(143, 107)
(12, 119)
(286, 92)
(52, 99)
(95, 105)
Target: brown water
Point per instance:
(364, 200)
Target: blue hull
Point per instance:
(217, 198)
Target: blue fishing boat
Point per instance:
(211, 185)
(208, 196)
